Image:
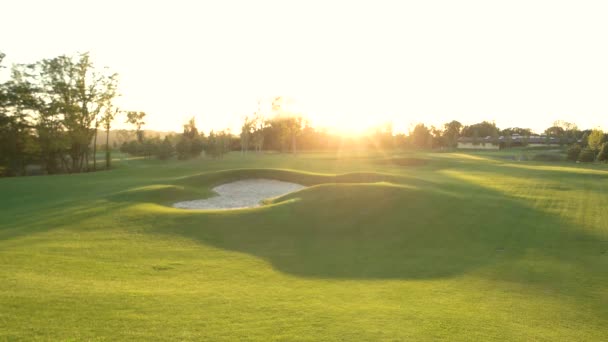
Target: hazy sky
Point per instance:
(346, 64)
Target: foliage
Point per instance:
(573, 152)
(451, 133)
(137, 119)
(595, 139)
(190, 144)
(526, 132)
(421, 136)
(603, 154)
(165, 149)
(587, 155)
(218, 144)
(480, 130)
(48, 109)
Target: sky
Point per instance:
(345, 65)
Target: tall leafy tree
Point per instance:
(451, 132)
(106, 120)
(246, 131)
(480, 130)
(73, 92)
(595, 139)
(421, 136)
(137, 119)
(17, 141)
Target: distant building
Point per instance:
(496, 143)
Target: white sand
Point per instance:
(242, 194)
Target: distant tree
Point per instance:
(436, 137)
(259, 125)
(421, 136)
(587, 155)
(246, 131)
(525, 132)
(603, 154)
(137, 119)
(585, 137)
(482, 129)
(573, 152)
(106, 121)
(17, 140)
(218, 144)
(165, 150)
(451, 133)
(566, 132)
(554, 131)
(190, 143)
(595, 139)
(183, 148)
(285, 124)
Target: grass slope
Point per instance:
(457, 247)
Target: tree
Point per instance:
(554, 131)
(482, 130)
(49, 109)
(106, 121)
(603, 154)
(573, 152)
(294, 126)
(526, 132)
(246, 130)
(80, 93)
(595, 139)
(566, 132)
(421, 136)
(218, 144)
(436, 137)
(17, 142)
(285, 124)
(190, 144)
(137, 119)
(259, 125)
(587, 155)
(165, 150)
(451, 133)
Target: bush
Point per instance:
(165, 149)
(550, 157)
(587, 155)
(603, 155)
(573, 152)
(183, 148)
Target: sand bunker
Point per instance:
(241, 194)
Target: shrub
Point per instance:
(165, 149)
(587, 155)
(603, 155)
(183, 148)
(573, 152)
(548, 157)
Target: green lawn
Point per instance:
(380, 247)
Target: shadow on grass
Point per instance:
(384, 231)
(387, 231)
